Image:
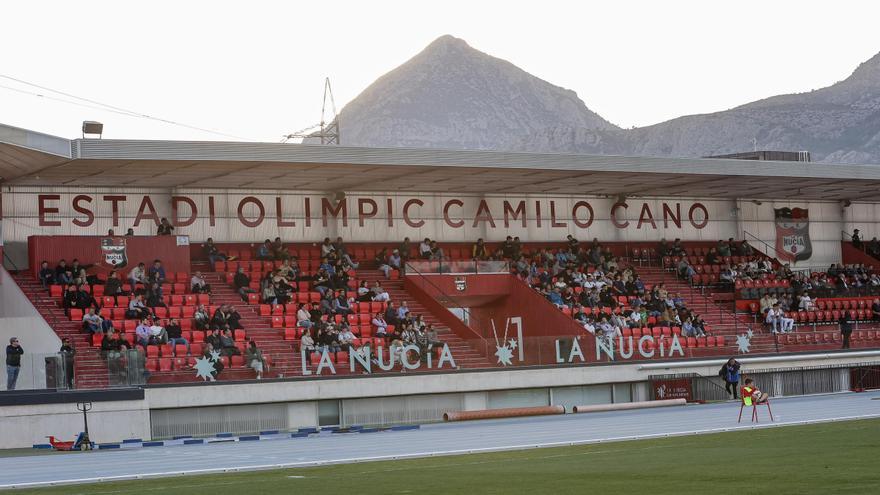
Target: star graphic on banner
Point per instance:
(204, 368)
(743, 342)
(750, 333)
(215, 355)
(512, 344)
(504, 354)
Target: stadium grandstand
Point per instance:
(205, 288)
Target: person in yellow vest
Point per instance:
(751, 394)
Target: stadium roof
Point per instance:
(31, 158)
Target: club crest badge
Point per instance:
(113, 252)
(793, 234)
(460, 284)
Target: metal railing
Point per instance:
(458, 267)
(448, 300)
(767, 248)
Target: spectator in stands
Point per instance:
(394, 262)
(766, 303)
(857, 239)
(307, 344)
(84, 299)
(137, 275)
(255, 360)
(129, 232)
(46, 275)
(279, 251)
(207, 353)
(778, 321)
(663, 248)
(873, 248)
(137, 309)
(805, 303)
(341, 304)
(685, 270)
(846, 328)
(202, 318)
(264, 252)
(144, 333)
(14, 351)
(213, 338)
(346, 336)
(479, 251)
(227, 344)
(437, 253)
(92, 322)
(875, 309)
(214, 254)
(391, 314)
(689, 329)
(380, 326)
(157, 273)
(220, 320)
(749, 390)
(268, 295)
(113, 286)
(198, 285)
(315, 314)
(431, 337)
(175, 336)
(154, 298)
(233, 317)
(62, 273)
(425, 251)
(404, 249)
(113, 348)
(378, 293)
(242, 284)
(303, 317)
(67, 356)
(165, 227)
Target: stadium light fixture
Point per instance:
(93, 128)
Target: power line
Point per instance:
(106, 107)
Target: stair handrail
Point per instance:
(445, 297)
(18, 271)
(766, 246)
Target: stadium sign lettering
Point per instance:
(409, 357)
(647, 347)
(253, 211)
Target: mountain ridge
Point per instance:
(451, 95)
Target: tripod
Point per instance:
(85, 442)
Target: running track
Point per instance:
(430, 440)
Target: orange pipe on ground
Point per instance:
(511, 412)
(629, 405)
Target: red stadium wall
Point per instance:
(494, 301)
(88, 250)
(851, 255)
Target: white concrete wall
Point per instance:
(19, 318)
(23, 426)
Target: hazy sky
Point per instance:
(256, 69)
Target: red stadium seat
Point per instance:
(237, 361)
(253, 298)
(152, 351)
(239, 335)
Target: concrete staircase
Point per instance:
(90, 370)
